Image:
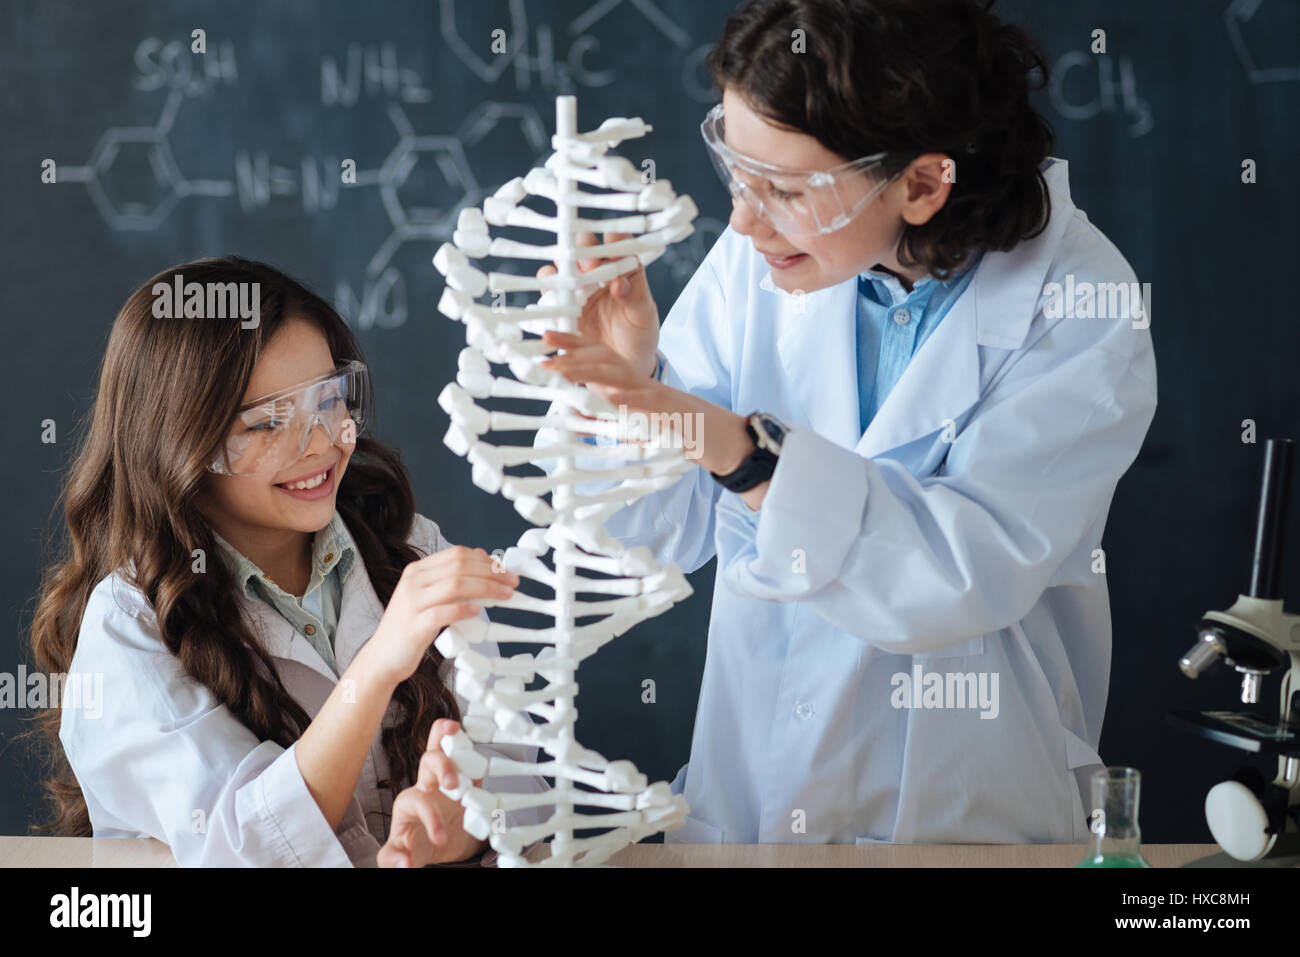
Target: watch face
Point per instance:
(771, 430)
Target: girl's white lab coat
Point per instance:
(166, 760)
(959, 535)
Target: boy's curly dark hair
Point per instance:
(909, 77)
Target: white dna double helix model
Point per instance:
(571, 524)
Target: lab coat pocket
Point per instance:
(694, 831)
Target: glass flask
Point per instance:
(1116, 839)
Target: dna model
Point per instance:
(570, 526)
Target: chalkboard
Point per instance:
(162, 155)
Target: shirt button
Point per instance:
(803, 712)
(310, 629)
(329, 557)
(902, 317)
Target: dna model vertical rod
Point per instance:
(502, 718)
(566, 127)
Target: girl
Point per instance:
(908, 452)
(249, 576)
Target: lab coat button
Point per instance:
(902, 317)
(310, 629)
(803, 712)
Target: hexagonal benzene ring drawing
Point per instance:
(440, 155)
(123, 206)
(656, 17)
(492, 130)
(112, 195)
(570, 527)
(451, 184)
(487, 72)
(445, 158)
(1246, 36)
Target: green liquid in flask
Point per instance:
(1113, 860)
(1116, 840)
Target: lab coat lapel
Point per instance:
(359, 615)
(940, 383)
(818, 348)
(280, 639)
(943, 379)
(817, 343)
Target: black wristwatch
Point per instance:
(768, 434)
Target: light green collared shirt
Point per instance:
(315, 615)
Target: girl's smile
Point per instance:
(315, 486)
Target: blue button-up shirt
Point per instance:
(316, 614)
(892, 325)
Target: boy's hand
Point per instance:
(622, 314)
(427, 825)
(591, 362)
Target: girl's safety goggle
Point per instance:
(272, 432)
(796, 202)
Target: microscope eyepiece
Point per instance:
(1208, 649)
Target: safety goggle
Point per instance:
(796, 202)
(272, 432)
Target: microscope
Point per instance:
(1256, 822)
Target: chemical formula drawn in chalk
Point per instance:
(1267, 45)
(1111, 89)
(135, 182)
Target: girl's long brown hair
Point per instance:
(168, 393)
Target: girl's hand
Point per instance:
(589, 362)
(427, 826)
(432, 593)
(622, 314)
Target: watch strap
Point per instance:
(756, 469)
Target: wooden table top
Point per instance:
(125, 852)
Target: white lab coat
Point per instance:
(874, 553)
(166, 760)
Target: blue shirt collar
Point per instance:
(888, 290)
(332, 547)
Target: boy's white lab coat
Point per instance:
(960, 536)
(166, 760)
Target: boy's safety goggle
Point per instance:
(796, 202)
(272, 432)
